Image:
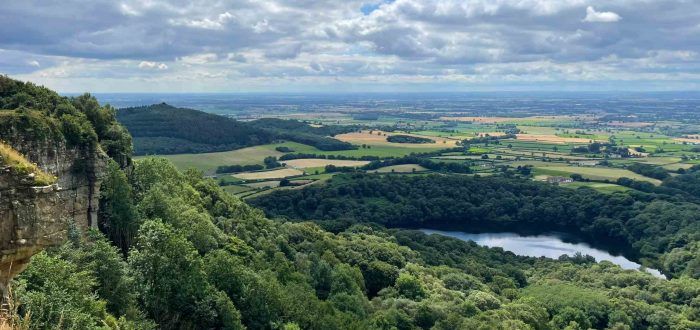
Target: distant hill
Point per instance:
(165, 129)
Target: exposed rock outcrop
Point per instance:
(33, 218)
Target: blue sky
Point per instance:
(330, 45)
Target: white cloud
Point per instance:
(217, 23)
(34, 63)
(152, 65)
(600, 16)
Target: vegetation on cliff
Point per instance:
(13, 159)
(37, 113)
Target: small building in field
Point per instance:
(559, 179)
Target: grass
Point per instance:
(601, 187)
(208, 162)
(594, 173)
(11, 157)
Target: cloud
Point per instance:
(275, 43)
(600, 16)
(152, 65)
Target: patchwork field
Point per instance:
(208, 162)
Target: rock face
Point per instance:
(33, 218)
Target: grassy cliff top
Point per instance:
(11, 157)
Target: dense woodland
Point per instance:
(174, 251)
(660, 229)
(163, 129)
(400, 138)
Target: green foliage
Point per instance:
(42, 114)
(645, 226)
(408, 139)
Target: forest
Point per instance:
(663, 230)
(175, 251)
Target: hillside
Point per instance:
(162, 129)
(173, 250)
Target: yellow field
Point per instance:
(688, 140)
(274, 174)
(379, 138)
(307, 163)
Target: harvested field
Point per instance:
(274, 174)
(307, 163)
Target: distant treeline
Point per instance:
(408, 139)
(317, 156)
(425, 162)
(238, 168)
(495, 139)
(164, 129)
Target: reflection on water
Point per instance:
(541, 246)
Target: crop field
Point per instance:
(274, 174)
(311, 163)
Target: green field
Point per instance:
(602, 187)
(594, 173)
(208, 162)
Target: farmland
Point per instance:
(595, 152)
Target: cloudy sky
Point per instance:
(348, 45)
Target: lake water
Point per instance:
(550, 246)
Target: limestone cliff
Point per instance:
(33, 218)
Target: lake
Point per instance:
(550, 246)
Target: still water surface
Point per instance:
(550, 246)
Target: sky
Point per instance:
(352, 46)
